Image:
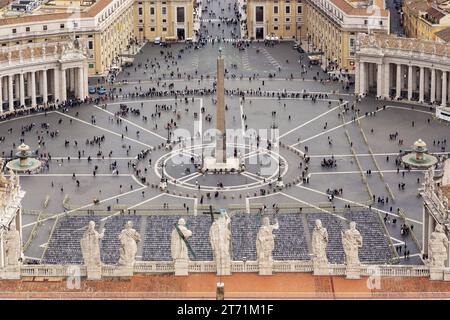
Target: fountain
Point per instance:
(24, 161)
(419, 158)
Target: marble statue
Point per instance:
(351, 241)
(12, 248)
(220, 237)
(438, 247)
(178, 247)
(90, 246)
(265, 241)
(319, 244)
(128, 245)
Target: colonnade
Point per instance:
(30, 88)
(412, 82)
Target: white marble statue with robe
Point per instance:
(178, 246)
(319, 243)
(351, 241)
(90, 246)
(265, 241)
(220, 237)
(129, 239)
(438, 247)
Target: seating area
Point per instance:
(291, 241)
(158, 233)
(375, 249)
(110, 244)
(64, 246)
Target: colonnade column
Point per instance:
(33, 89)
(398, 81)
(44, 87)
(22, 90)
(444, 89)
(81, 93)
(357, 77)
(11, 93)
(379, 80)
(386, 80)
(433, 85)
(421, 84)
(410, 80)
(63, 85)
(363, 76)
(56, 85)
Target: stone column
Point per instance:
(421, 84)
(63, 88)
(11, 93)
(433, 85)
(72, 80)
(379, 80)
(22, 90)
(410, 85)
(33, 89)
(56, 85)
(2, 250)
(444, 90)
(398, 82)
(386, 80)
(85, 80)
(357, 81)
(363, 77)
(1, 94)
(438, 85)
(44, 87)
(81, 93)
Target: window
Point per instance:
(164, 10)
(61, 26)
(365, 21)
(141, 29)
(275, 19)
(152, 29)
(14, 30)
(275, 10)
(275, 28)
(288, 9)
(140, 11)
(44, 27)
(180, 14)
(152, 10)
(381, 22)
(164, 20)
(91, 65)
(299, 10)
(259, 14)
(288, 28)
(164, 29)
(90, 45)
(288, 19)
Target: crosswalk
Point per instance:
(227, 40)
(195, 61)
(245, 61)
(210, 20)
(269, 57)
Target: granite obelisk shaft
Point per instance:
(221, 143)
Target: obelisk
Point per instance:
(221, 141)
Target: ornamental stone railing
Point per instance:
(167, 267)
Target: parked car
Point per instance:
(101, 91)
(92, 90)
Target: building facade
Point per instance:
(332, 26)
(109, 28)
(170, 19)
(280, 18)
(403, 68)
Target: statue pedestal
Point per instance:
(94, 273)
(265, 268)
(224, 269)
(353, 272)
(125, 271)
(321, 269)
(436, 273)
(11, 273)
(181, 267)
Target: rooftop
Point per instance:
(361, 8)
(238, 285)
(444, 34)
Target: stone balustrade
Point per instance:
(164, 267)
